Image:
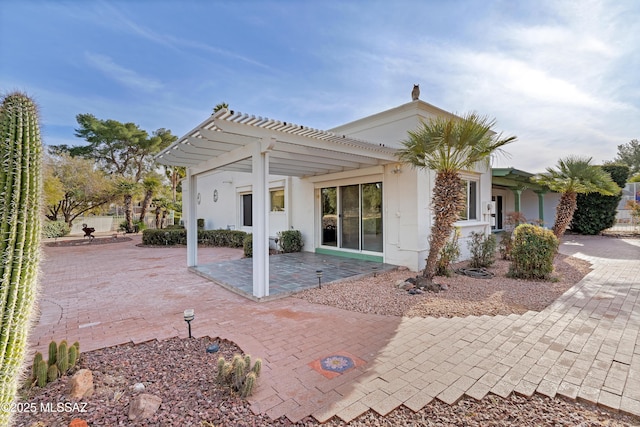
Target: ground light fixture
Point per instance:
(189, 315)
(319, 275)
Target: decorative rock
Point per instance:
(407, 286)
(137, 388)
(400, 283)
(81, 384)
(213, 348)
(443, 287)
(411, 280)
(143, 406)
(77, 422)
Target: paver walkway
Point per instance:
(585, 345)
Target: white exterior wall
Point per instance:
(407, 216)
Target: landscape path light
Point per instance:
(189, 315)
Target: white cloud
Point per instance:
(121, 74)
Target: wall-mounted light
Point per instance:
(396, 169)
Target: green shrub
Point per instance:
(483, 249)
(533, 251)
(449, 253)
(178, 236)
(247, 245)
(596, 212)
(290, 241)
(54, 229)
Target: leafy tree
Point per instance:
(635, 178)
(74, 186)
(596, 212)
(448, 146)
(121, 149)
(574, 175)
(629, 154)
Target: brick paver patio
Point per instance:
(585, 345)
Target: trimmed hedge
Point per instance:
(171, 237)
(290, 241)
(533, 251)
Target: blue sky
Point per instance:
(561, 75)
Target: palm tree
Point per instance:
(573, 175)
(449, 145)
(150, 185)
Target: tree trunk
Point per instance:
(448, 201)
(158, 212)
(145, 204)
(564, 213)
(128, 212)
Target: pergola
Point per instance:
(234, 141)
(517, 181)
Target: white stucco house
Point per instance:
(344, 188)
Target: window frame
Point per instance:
(468, 193)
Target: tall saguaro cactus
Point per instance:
(20, 223)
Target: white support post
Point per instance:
(192, 222)
(260, 166)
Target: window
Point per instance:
(351, 216)
(277, 200)
(470, 211)
(247, 210)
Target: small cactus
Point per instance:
(62, 359)
(53, 353)
(249, 383)
(41, 373)
(77, 346)
(52, 373)
(73, 356)
(239, 374)
(257, 367)
(34, 368)
(220, 377)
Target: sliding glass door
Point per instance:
(351, 216)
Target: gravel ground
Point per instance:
(183, 374)
(465, 296)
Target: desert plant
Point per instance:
(238, 374)
(533, 251)
(574, 175)
(482, 248)
(20, 235)
(449, 145)
(73, 356)
(290, 241)
(62, 358)
(52, 373)
(41, 373)
(34, 367)
(53, 353)
(449, 254)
